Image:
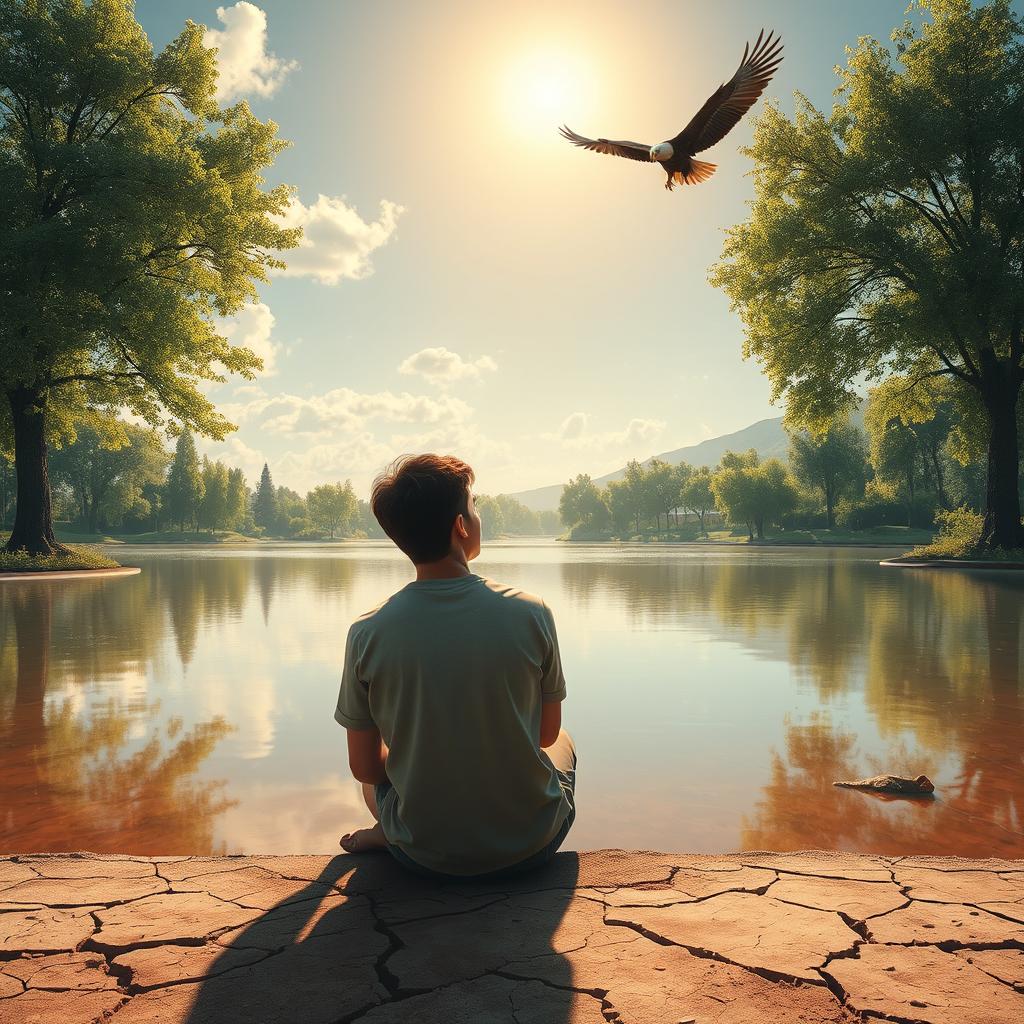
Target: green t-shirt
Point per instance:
(453, 673)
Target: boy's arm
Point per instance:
(550, 722)
(552, 684)
(367, 755)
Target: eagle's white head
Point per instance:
(662, 152)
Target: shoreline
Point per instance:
(71, 574)
(596, 936)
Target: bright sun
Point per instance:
(545, 88)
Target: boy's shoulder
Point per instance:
(504, 597)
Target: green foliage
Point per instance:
(885, 235)
(264, 505)
(107, 466)
(959, 535)
(582, 504)
(753, 494)
(133, 212)
(332, 507)
(213, 506)
(697, 496)
(237, 501)
(869, 512)
(185, 486)
(504, 516)
(833, 462)
(491, 517)
(78, 557)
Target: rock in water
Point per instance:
(921, 786)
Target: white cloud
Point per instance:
(342, 409)
(252, 327)
(442, 366)
(641, 431)
(336, 241)
(573, 426)
(573, 433)
(246, 66)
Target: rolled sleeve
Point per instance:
(353, 710)
(552, 682)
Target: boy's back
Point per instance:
(453, 673)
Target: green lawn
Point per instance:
(895, 536)
(155, 537)
(885, 535)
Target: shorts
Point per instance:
(562, 756)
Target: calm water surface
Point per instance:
(715, 695)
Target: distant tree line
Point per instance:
(913, 459)
(111, 476)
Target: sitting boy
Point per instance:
(451, 696)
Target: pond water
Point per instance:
(715, 694)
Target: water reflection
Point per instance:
(715, 695)
(926, 665)
(75, 780)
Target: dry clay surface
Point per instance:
(642, 938)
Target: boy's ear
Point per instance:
(460, 527)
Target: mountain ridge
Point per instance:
(767, 436)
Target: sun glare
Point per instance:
(544, 88)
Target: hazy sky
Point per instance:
(470, 281)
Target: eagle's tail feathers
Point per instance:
(699, 171)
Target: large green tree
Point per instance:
(833, 462)
(264, 502)
(697, 496)
(185, 486)
(581, 503)
(753, 492)
(888, 234)
(332, 507)
(133, 214)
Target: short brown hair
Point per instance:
(416, 501)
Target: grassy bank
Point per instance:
(958, 540)
(882, 536)
(156, 537)
(79, 557)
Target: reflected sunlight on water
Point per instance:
(715, 695)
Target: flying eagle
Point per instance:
(719, 115)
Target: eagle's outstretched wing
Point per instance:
(729, 102)
(630, 150)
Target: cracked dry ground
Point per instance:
(594, 937)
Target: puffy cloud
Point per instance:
(442, 366)
(342, 409)
(573, 426)
(573, 433)
(246, 67)
(336, 241)
(639, 431)
(252, 327)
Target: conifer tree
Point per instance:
(264, 506)
(184, 482)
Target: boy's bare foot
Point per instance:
(363, 840)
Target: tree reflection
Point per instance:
(943, 663)
(70, 781)
(934, 656)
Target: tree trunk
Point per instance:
(33, 521)
(830, 508)
(1002, 527)
(940, 483)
